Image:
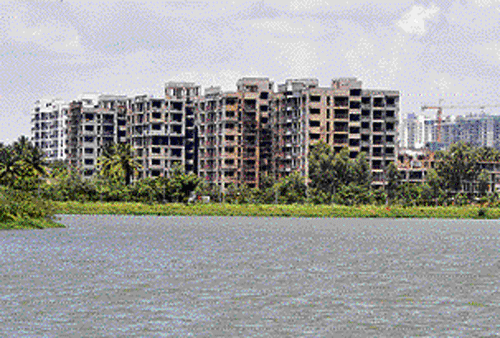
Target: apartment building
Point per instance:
(480, 130)
(94, 121)
(290, 121)
(418, 131)
(182, 101)
(236, 134)
(162, 131)
(48, 128)
(343, 116)
(229, 137)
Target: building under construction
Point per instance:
(236, 137)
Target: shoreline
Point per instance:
(30, 224)
(272, 210)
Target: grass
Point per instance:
(29, 223)
(19, 210)
(271, 210)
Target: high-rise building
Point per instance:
(229, 137)
(48, 128)
(343, 116)
(182, 101)
(235, 133)
(94, 121)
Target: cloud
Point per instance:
(303, 5)
(286, 27)
(413, 21)
(53, 35)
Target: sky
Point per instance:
(427, 50)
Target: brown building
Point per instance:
(235, 133)
(343, 115)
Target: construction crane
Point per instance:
(440, 108)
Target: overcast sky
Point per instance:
(426, 50)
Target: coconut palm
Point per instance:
(117, 161)
(10, 166)
(34, 160)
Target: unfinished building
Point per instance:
(343, 116)
(48, 128)
(235, 133)
(94, 121)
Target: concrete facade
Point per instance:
(94, 121)
(49, 128)
(235, 137)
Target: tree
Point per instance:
(34, 160)
(360, 171)
(322, 173)
(393, 180)
(10, 166)
(457, 165)
(342, 167)
(292, 189)
(117, 162)
(181, 185)
(484, 182)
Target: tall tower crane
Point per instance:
(440, 108)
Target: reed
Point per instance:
(272, 210)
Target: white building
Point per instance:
(48, 128)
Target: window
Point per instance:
(314, 111)
(89, 151)
(264, 95)
(155, 162)
(315, 98)
(314, 123)
(89, 161)
(89, 128)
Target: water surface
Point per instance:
(240, 276)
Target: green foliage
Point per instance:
(458, 165)
(117, 162)
(272, 210)
(352, 194)
(484, 182)
(292, 189)
(21, 210)
(393, 180)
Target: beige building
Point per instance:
(94, 121)
(343, 115)
(235, 135)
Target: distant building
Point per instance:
(227, 138)
(48, 128)
(94, 121)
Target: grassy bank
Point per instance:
(19, 210)
(468, 212)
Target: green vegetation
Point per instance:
(272, 210)
(339, 186)
(19, 210)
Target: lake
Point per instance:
(242, 276)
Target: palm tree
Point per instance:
(34, 160)
(117, 161)
(10, 166)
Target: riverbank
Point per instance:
(29, 223)
(19, 210)
(271, 210)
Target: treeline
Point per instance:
(334, 178)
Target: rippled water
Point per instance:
(276, 277)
